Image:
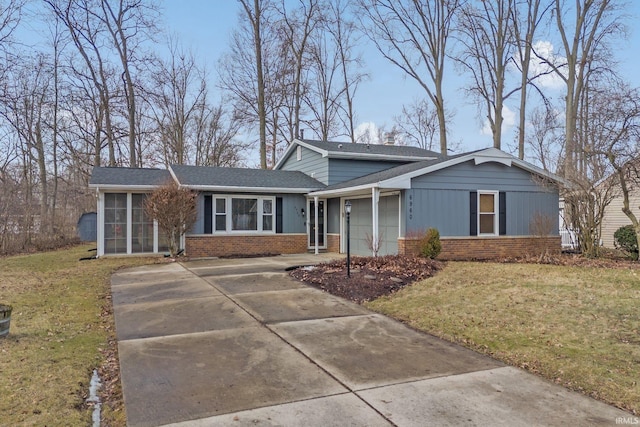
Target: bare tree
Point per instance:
(543, 137)
(216, 143)
(615, 135)
(585, 30)
(345, 38)
(178, 90)
(85, 33)
(242, 70)
(489, 45)
(414, 36)
(525, 17)
(298, 27)
(418, 124)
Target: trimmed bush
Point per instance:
(430, 245)
(625, 238)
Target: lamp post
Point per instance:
(347, 211)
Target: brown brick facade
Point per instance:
(333, 243)
(485, 248)
(202, 246)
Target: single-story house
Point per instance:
(482, 202)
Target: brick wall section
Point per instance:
(203, 246)
(486, 248)
(333, 243)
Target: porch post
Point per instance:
(375, 198)
(315, 222)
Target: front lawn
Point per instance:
(576, 326)
(60, 326)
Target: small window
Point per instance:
(221, 215)
(299, 153)
(487, 212)
(267, 215)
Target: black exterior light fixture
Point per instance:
(347, 211)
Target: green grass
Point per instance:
(56, 336)
(577, 326)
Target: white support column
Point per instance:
(315, 223)
(100, 223)
(375, 199)
(128, 227)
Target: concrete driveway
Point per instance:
(238, 342)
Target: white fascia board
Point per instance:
(352, 156)
(173, 175)
(122, 188)
(342, 191)
(230, 189)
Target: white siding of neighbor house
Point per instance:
(614, 218)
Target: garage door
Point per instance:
(362, 225)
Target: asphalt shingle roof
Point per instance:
(377, 149)
(241, 177)
(129, 176)
(391, 173)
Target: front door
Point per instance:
(312, 225)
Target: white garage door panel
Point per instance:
(362, 225)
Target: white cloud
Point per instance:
(508, 121)
(549, 80)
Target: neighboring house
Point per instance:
(482, 202)
(614, 218)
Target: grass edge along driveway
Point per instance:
(576, 326)
(60, 327)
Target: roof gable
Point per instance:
(400, 177)
(347, 150)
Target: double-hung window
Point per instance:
(241, 214)
(488, 213)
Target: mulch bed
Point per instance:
(370, 277)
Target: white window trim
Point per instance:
(496, 204)
(299, 153)
(229, 214)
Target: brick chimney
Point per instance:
(389, 139)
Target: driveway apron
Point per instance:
(238, 342)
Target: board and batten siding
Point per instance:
(341, 170)
(614, 218)
(310, 163)
(441, 199)
(292, 205)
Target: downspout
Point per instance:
(315, 223)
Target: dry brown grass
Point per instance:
(577, 326)
(56, 336)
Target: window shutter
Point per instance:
(473, 209)
(208, 214)
(278, 214)
(502, 212)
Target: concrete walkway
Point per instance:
(238, 342)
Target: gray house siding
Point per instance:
(311, 163)
(292, 219)
(341, 170)
(333, 216)
(441, 199)
(292, 205)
